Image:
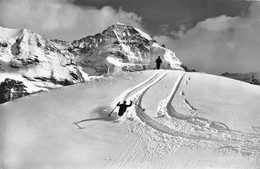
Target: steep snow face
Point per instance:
(121, 47)
(252, 78)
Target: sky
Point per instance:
(213, 36)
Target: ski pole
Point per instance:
(138, 106)
(112, 111)
(78, 125)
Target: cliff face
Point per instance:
(11, 89)
(40, 64)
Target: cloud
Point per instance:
(220, 44)
(61, 19)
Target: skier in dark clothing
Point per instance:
(123, 107)
(158, 62)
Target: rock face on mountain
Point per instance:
(252, 78)
(28, 58)
(121, 47)
(11, 89)
(41, 64)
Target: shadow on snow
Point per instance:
(101, 114)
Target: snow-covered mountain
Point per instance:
(252, 78)
(30, 63)
(120, 47)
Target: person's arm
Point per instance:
(131, 102)
(118, 104)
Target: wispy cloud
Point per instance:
(62, 19)
(220, 44)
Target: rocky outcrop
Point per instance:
(186, 69)
(11, 89)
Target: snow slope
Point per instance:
(191, 121)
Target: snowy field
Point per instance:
(191, 121)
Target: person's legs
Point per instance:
(120, 113)
(158, 66)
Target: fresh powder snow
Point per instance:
(191, 121)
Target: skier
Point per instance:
(158, 62)
(123, 107)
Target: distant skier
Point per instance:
(123, 107)
(158, 62)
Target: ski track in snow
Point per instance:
(129, 147)
(126, 94)
(234, 119)
(189, 105)
(159, 127)
(211, 134)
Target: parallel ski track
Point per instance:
(121, 156)
(153, 124)
(166, 130)
(139, 86)
(131, 148)
(174, 114)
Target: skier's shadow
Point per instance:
(102, 115)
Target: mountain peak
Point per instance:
(121, 47)
(121, 30)
(8, 33)
(19, 34)
(119, 23)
